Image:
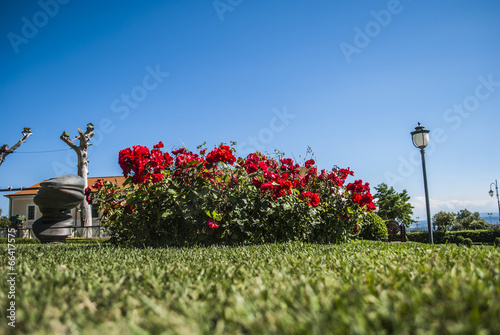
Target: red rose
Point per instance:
(251, 167)
(309, 163)
(266, 186)
(212, 224)
(158, 146)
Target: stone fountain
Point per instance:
(55, 199)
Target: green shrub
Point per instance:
(373, 228)
(92, 240)
(70, 240)
(459, 240)
(468, 242)
(442, 237)
(21, 241)
(496, 243)
(4, 222)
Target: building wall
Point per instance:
(19, 205)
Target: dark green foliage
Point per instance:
(4, 222)
(21, 241)
(496, 243)
(468, 242)
(84, 240)
(443, 220)
(394, 238)
(94, 240)
(373, 228)
(393, 205)
(465, 220)
(459, 240)
(441, 237)
(292, 288)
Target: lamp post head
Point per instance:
(491, 193)
(420, 136)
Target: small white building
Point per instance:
(22, 203)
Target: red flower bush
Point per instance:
(183, 197)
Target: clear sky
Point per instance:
(350, 79)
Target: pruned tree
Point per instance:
(5, 150)
(83, 165)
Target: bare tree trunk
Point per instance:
(83, 169)
(5, 150)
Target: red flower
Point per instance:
(309, 163)
(139, 163)
(87, 195)
(361, 194)
(251, 167)
(286, 184)
(266, 186)
(356, 198)
(286, 161)
(97, 184)
(314, 198)
(157, 177)
(253, 158)
(343, 173)
(183, 160)
(256, 182)
(158, 146)
(263, 166)
(221, 154)
(212, 224)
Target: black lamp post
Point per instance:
(420, 139)
(492, 193)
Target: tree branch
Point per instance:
(66, 140)
(26, 134)
(5, 150)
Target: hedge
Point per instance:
(72, 240)
(441, 237)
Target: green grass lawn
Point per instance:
(293, 288)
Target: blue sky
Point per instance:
(350, 79)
